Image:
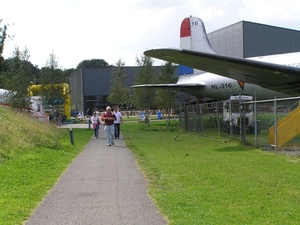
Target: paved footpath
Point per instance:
(103, 185)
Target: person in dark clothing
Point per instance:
(117, 122)
(89, 112)
(56, 116)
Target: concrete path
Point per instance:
(103, 185)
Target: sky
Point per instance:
(77, 30)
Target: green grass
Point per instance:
(192, 179)
(197, 180)
(33, 157)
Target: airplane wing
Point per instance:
(190, 88)
(281, 78)
(171, 86)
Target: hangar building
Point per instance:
(89, 87)
(247, 39)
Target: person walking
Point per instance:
(56, 115)
(117, 122)
(108, 117)
(89, 112)
(96, 123)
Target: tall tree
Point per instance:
(34, 70)
(119, 93)
(166, 98)
(144, 97)
(52, 83)
(18, 78)
(2, 40)
(92, 63)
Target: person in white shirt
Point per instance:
(117, 122)
(80, 115)
(96, 123)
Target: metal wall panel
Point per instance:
(260, 39)
(96, 81)
(246, 39)
(76, 92)
(228, 40)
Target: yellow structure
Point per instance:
(33, 89)
(287, 128)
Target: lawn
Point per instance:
(201, 180)
(32, 157)
(29, 175)
(192, 179)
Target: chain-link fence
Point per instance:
(251, 122)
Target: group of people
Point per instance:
(58, 118)
(111, 120)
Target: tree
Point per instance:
(166, 98)
(119, 93)
(92, 63)
(52, 83)
(34, 70)
(2, 40)
(144, 97)
(18, 78)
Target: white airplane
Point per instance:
(264, 77)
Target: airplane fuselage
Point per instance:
(219, 87)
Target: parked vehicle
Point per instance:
(238, 115)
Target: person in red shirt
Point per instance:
(108, 117)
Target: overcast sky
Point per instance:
(77, 30)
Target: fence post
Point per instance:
(275, 123)
(186, 119)
(218, 119)
(201, 120)
(255, 121)
(194, 118)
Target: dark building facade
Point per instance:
(89, 87)
(246, 39)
